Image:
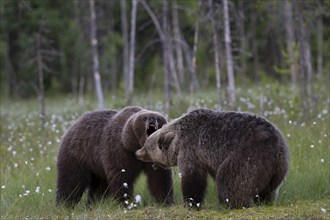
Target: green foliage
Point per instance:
(68, 28)
(288, 60)
(28, 157)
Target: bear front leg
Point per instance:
(160, 184)
(193, 185)
(121, 183)
(122, 189)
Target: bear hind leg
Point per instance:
(266, 197)
(72, 181)
(237, 182)
(98, 189)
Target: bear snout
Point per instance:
(141, 154)
(152, 120)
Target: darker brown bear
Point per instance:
(245, 154)
(97, 152)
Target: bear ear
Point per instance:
(165, 140)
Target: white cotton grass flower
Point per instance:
(47, 168)
(322, 160)
(138, 199)
(50, 190)
(123, 170)
(125, 185)
(37, 189)
(323, 210)
(125, 195)
(180, 175)
(131, 206)
(27, 192)
(3, 187)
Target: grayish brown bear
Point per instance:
(98, 152)
(245, 154)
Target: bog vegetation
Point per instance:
(28, 157)
(62, 58)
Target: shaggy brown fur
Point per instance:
(245, 154)
(97, 152)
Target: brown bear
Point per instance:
(245, 154)
(98, 152)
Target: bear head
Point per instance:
(139, 126)
(160, 148)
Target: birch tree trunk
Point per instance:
(216, 50)
(124, 30)
(307, 87)
(319, 46)
(131, 53)
(178, 49)
(96, 65)
(78, 63)
(230, 63)
(168, 62)
(194, 82)
(290, 39)
(241, 30)
(170, 51)
(255, 46)
(41, 90)
(167, 91)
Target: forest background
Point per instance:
(169, 47)
(62, 58)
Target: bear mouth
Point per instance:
(151, 129)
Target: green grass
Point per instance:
(28, 157)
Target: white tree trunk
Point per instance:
(167, 90)
(290, 39)
(230, 63)
(306, 70)
(243, 37)
(124, 26)
(168, 61)
(319, 46)
(216, 50)
(255, 45)
(178, 49)
(132, 52)
(194, 82)
(96, 65)
(41, 95)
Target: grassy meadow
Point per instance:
(28, 157)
